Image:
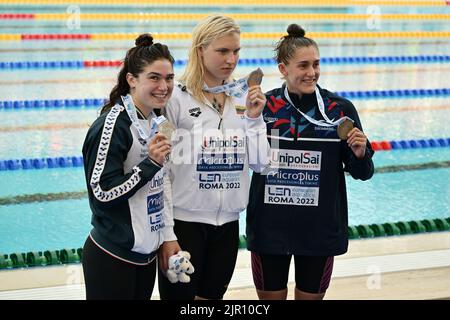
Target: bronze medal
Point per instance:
(344, 128)
(255, 77)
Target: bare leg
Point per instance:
(302, 295)
(272, 295)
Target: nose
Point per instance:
(232, 58)
(311, 72)
(163, 85)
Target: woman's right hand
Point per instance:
(167, 249)
(159, 148)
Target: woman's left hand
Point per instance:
(256, 100)
(357, 141)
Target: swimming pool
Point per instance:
(47, 132)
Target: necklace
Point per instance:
(141, 113)
(217, 105)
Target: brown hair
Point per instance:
(285, 48)
(137, 58)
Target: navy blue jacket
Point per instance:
(306, 214)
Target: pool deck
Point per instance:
(413, 267)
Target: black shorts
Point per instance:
(108, 278)
(271, 272)
(213, 252)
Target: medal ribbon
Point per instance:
(236, 88)
(131, 110)
(324, 123)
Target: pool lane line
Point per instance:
(56, 196)
(245, 35)
(13, 105)
(88, 64)
(162, 16)
(227, 3)
(402, 109)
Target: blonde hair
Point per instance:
(206, 31)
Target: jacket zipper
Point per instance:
(221, 129)
(220, 191)
(296, 129)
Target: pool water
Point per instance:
(388, 197)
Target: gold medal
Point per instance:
(255, 77)
(344, 128)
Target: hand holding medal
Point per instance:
(357, 141)
(256, 100)
(160, 144)
(344, 128)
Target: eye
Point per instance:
(154, 78)
(170, 78)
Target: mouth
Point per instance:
(160, 95)
(309, 81)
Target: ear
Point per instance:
(131, 80)
(200, 52)
(282, 68)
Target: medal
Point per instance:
(162, 125)
(166, 128)
(255, 77)
(344, 128)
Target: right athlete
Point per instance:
(299, 206)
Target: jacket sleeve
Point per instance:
(105, 150)
(258, 147)
(362, 169)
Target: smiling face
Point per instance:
(220, 58)
(303, 70)
(152, 88)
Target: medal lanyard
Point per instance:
(236, 88)
(324, 123)
(131, 110)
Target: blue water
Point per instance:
(387, 197)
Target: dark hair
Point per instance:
(137, 58)
(295, 38)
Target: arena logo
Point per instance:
(195, 112)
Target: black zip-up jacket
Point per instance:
(125, 188)
(301, 208)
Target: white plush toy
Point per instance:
(180, 267)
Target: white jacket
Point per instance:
(210, 160)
